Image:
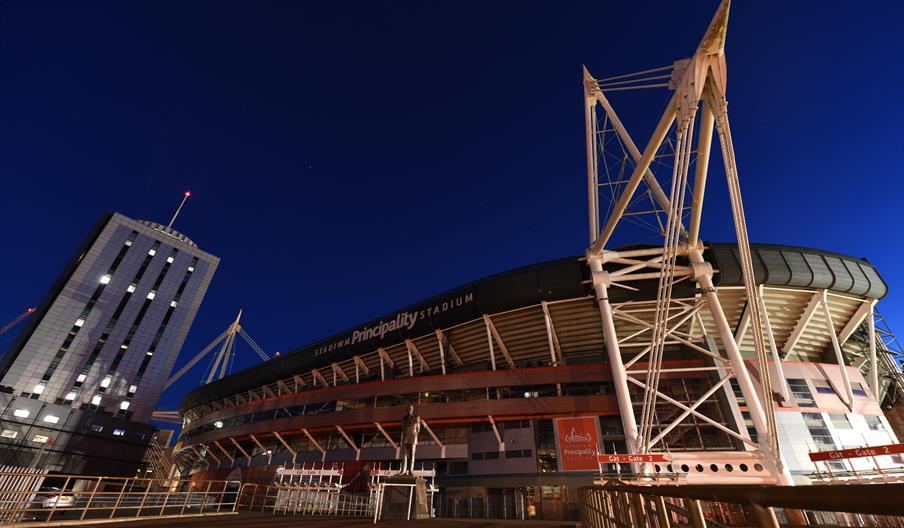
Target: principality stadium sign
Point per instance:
(578, 443)
(405, 320)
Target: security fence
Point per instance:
(615, 505)
(313, 499)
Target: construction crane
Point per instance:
(10, 325)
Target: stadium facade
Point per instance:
(511, 377)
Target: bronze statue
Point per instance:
(411, 426)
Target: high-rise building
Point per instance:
(79, 384)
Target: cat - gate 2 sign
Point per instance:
(577, 440)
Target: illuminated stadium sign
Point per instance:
(404, 320)
(578, 442)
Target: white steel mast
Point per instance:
(698, 84)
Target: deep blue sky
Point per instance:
(348, 158)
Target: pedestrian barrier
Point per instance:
(616, 505)
(36, 498)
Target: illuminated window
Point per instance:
(97, 428)
(106, 382)
(81, 378)
(151, 294)
(173, 304)
(9, 433)
(40, 439)
(132, 389)
(39, 388)
(169, 260)
(105, 279)
(128, 242)
(80, 322)
(152, 252)
(218, 424)
(21, 413)
(51, 419)
(131, 288)
(119, 432)
(124, 405)
(191, 269)
(95, 400)
(70, 396)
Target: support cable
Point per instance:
(737, 206)
(667, 276)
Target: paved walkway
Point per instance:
(255, 520)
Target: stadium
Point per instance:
(680, 361)
(506, 370)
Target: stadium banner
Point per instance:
(858, 452)
(577, 440)
(629, 459)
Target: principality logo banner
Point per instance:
(578, 441)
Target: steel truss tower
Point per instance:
(698, 103)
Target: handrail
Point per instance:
(884, 499)
(617, 504)
(38, 497)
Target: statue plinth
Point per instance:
(402, 492)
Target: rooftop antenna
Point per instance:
(185, 197)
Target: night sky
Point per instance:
(349, 158)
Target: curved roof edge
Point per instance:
(779, 265)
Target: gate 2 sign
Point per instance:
(578, 442)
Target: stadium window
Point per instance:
(823, 386)
(874, 423)
(857, 389)
(736, 389)
(818, 431)
(9, 433)
(40, 439)
(748, 423)
(458, 467)
(801, 393)
(840, 421)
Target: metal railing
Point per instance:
(28, 498)
(616, 504)
(309, 500)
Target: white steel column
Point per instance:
(839, 357)
(778, 378)
(704, 142)
(551, 337)
(592, 188)
(619, 376)
(490, 342)
(754, 405)
(442, 352)
(873, 364)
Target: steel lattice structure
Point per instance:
(698, 86)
